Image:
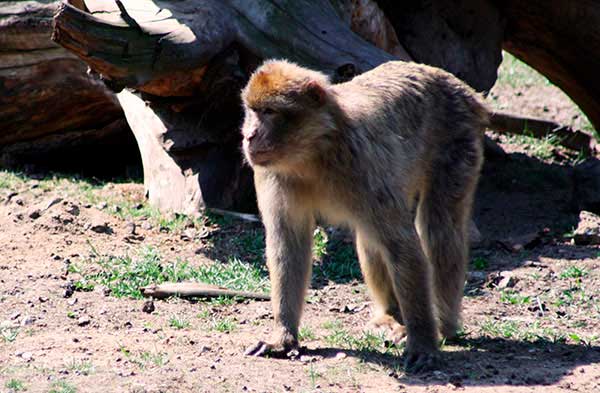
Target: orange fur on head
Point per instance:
(277, 78)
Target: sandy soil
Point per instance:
(536, 330)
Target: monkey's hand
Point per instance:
(417, 361)
(282, 346)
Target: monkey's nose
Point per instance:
(249, 136)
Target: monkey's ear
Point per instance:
(315, 92)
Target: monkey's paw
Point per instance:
(389, 326)
(285, 346)
(418, 361)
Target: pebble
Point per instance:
(148, 307)
(27, 320)
(83, 321)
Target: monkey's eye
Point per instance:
(267, 111)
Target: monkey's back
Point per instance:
(404, 120)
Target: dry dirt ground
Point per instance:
(74, 252)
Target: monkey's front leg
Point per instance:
(289, 245)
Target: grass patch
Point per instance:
(80, 367)
(533, 332)
(179, 322)
(145, 359)
(541, 148)
(515, 73)
(364, 342)
(124, 275)
(306, 334)
(573, 272)
(224, 325)
(62, 387)
(15, 385)
(9, 334)
(480, 263)
(335, 260)
(513, 297)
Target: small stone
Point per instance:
(15, 315)
(508, 280)
(341, 355)
(148, 307)
(27, 320)
(35, 214)
(146, 226)
(84, 320)
(69, 289)
(72, 302)
(27, 356)
(130, 228)
(101, 205)
(43, 299)
(72, 209)
(588, 229)
(101, 228)
(51, 202)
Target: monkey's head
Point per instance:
(285, 115)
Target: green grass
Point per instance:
(15, 385)
(223, 325)
(515, 73)
(179, 322)
(542, 148)
(80, 367)
(306, 334)
(513, 297)
(9, 334)
(573, 272)
(124, 275)
(363, 342)
(480, 263)
(533, 332)
(145, 359)
(62, 387)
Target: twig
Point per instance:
(196, 289)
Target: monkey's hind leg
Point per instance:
(387, 310)
(442, 220)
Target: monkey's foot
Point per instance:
(284, 346)
(390, 326)
(419, 361)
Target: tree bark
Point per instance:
(46, 96)
(560, 39)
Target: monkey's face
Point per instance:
(271, 135)
(282, 103)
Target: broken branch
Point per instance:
(196, 289)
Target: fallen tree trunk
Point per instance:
(47, 100)
(188, 60)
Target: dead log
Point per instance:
(541, 128)
(46, 96)
(560, 39)
(197, 289)
(188, 60)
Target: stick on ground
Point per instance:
(197, 289)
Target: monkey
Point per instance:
(395, 155)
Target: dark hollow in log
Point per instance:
(53, 115)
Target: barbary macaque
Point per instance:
(395, 155)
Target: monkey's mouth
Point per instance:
(261, 157)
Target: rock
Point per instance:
(84, 320)
(527, 241)
(130, 228)
(27, 320)
(502, 280)
(148, 307)
(588, 229)
(51, 202)
(101, 227)
(101, 205)
(27, 356)
(35, 214)
(507, 280)
(341, 355)
(586, 191)
(146, 226)
(72, 209)
(69, 289)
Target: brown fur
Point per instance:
(395, 154)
